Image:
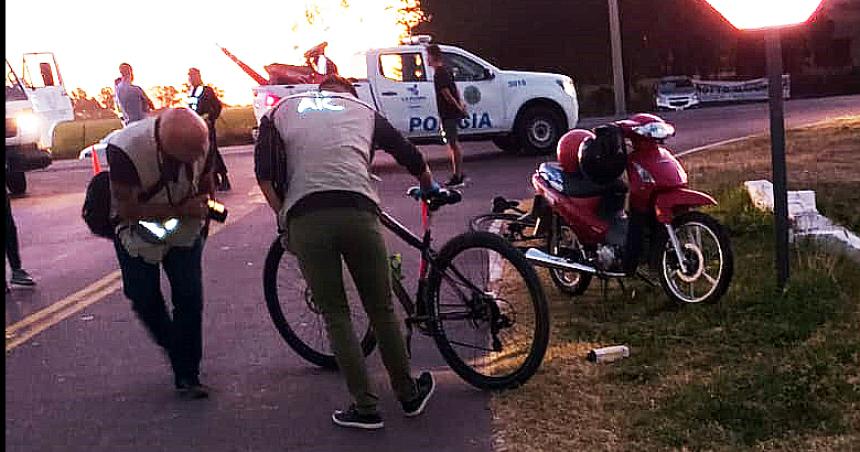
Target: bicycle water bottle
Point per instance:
(395, 261)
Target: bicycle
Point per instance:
(493, 311)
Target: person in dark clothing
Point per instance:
(328, 208)
(451, 111)
(20, 277)
(205, 102)
(160, 183)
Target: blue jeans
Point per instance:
(181, 336)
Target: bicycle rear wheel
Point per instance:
(492, 320)
(296, 316)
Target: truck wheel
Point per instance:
(17, 182)
(539, 130)
(508, 144)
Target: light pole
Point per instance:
(617, 62)
(777, 154)
(771, 15)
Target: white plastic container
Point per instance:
(608, 354)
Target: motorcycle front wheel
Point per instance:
(707, 256)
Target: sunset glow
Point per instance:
(757, 14)
(162, 39)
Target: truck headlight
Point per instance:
(28, 123)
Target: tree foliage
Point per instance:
(86, 107)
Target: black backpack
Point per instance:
(97, 204)
(96, 210)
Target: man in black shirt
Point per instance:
(203, 100)
(451, 111)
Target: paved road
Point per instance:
(82, 375)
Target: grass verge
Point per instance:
(761, 370)
(233, 127)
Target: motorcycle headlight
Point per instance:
(28, 123)
(656, 130)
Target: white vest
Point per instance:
(328, 143)
(138, 142)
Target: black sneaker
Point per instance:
(352, 418)
(426, 385)
(191, 390)
(456, 181)
(21, 278)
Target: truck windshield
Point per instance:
(14, 89)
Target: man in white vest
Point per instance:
(159, 189)
(330, 209)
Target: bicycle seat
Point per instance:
(577, 184)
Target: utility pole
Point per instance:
(617, 62)
(777, 143)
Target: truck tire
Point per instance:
(508, 144)
(538, 130)
(16, 181)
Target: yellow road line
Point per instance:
(58, 315)
(72, 299)
(23, 330)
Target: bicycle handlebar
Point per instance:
(437, 199)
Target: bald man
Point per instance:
(159, 188)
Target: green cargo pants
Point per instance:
(320, 239)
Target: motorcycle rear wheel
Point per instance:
(561, 238)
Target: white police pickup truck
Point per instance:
(519, 111)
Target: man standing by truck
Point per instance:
(205, 102)
(451, 111)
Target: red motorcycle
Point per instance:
(581, 227)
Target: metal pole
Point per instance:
(777, 146)
(617, 64)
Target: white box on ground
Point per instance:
(806, 221)
(800, 202)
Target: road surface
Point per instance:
(81, 374)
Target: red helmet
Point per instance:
(569, 146)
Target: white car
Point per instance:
(676, 93)
(518, 110)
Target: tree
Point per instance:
(106, 98)
(85, 107)
(165, 96)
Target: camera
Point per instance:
(217, 211)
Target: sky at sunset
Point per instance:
(162, 39)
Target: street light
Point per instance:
(771, 16)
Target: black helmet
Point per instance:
(604, 158)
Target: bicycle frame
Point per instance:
(418, 310)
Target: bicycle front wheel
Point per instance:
(491, 317)
(297, 317)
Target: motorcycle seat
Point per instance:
(577, 184)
